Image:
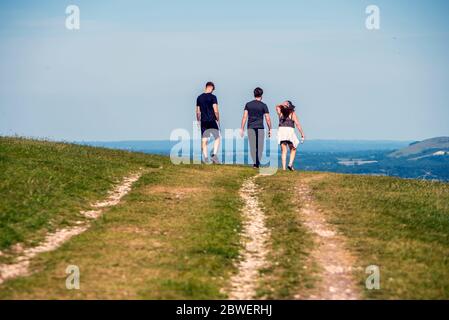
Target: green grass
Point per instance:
(44, 185)
(174, 236)
(289, 271)
(402, 226)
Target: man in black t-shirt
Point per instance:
(207, 114)
(255, 112)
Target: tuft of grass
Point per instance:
(289, 271)
(402, 226)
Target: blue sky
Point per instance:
(134, 69)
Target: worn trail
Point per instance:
(334, 261)
(254, 253)
(20, 267)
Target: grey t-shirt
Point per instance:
(256, 111)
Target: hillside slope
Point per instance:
(423, 148)
(44, 185)
(178, 233)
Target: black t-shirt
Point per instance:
(206, 103)
(256, 111)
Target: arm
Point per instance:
(217, 114)
(198, 114)
(244, 118)
(298, 125)
(280, 106)
(268, 120)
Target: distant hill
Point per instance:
(435, 146)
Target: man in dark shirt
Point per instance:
(255, 112)
(207, 114)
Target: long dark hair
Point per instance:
(287, 111)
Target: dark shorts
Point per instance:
(209, 128)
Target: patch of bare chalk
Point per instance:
(256, 236)
(55, 239)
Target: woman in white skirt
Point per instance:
(286, 134)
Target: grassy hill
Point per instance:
(44, 185)
(421, 148)
(176, 235)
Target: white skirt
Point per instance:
(288, 134)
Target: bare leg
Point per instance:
(292, 155)
(204, 148)
(284, 156)
(216, 145)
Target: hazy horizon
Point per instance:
(134, 69)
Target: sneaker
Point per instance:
(205, 161)
(255, 166)
(291, 168)
(214, 159)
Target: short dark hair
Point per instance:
(210, 84)
(258, 92)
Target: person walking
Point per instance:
(255, 111)
(287, 138)
(208, 116)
